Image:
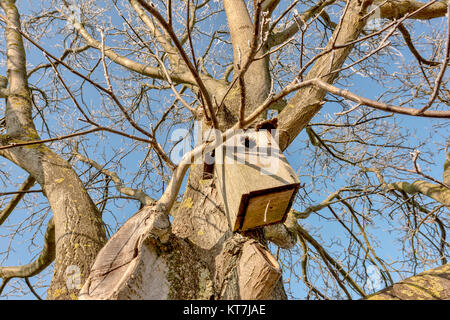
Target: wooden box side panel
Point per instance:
(231, 195)
(287, 171)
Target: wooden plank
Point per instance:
(266, 209)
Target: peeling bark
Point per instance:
(258, 272)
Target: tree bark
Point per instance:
(307, 102)
(197, 257)
(79, 231)
(432, 284)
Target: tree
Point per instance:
(140, 70)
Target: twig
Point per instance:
(150, 8)
(32, 289)
(348, 111)
(328, 259)
(379, 105)
(41, 263)
(24, 188)
(411, 47)
(34, 142)
(440, 76)
(135, 193)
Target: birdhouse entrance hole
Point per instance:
(249, 143)
(208, 165)
(256, 182)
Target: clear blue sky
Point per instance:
(21, 253)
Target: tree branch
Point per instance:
(19, 121)
(413, 49)
(400, 8)
(440, 76)
(32, 289)
(433, 191)
(432, 284)
(43, 261)
(137, 194)
(303, 233)
(278, 37)
(307, 102)
(198, 81)
(5, 212)
(379, 105)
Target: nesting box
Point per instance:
(255, 180)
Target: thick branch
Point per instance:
(247, 38)
(446, 175)
(18, 108)
(398, 9)
(45, 258)
(280, 37)
(307, 102)
(435, 192)
(433, 284)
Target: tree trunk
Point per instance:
(79, 231)
(202, 258)
(200, 223)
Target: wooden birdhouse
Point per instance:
(255, 180)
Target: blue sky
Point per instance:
(361, 85)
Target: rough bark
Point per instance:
(79, 231)
(146, 259)
(137, 264)
(200, 217)
(432, 284)
(200, 227)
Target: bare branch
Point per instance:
(437, 281)
(398, 9)
(27, 281)
(134, 193)
(280, 37)
(379, 105)
(198, 80)
(413, 49)
(437, 82)
(303, 233)
(41, 263)
(5, 212)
